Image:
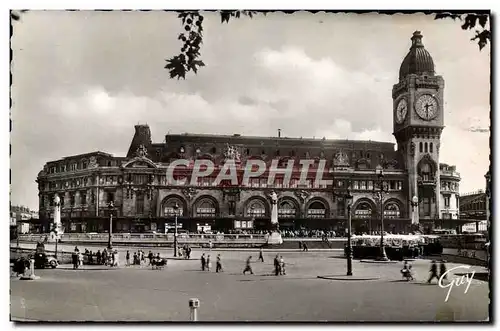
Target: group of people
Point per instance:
(406, 271)
(139, 258)
(206, 264)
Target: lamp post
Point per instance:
(379, 195)
(348, 199)
(176, 208)
(414, 205)
(110, 236)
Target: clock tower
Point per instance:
(418, 123)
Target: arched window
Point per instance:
(363, 210)
(205, 208)
(256, 208)
(391, 210)
(316, 210)
(286, 209)
(420, 147)
(426, 150)
(169, 207)
(425, 171)
(431, 147)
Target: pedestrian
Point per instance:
(74, 259)
(150, 257)
(142, 257)
(98, 256)
(189, 252)
(209, 264)
(248, 266)
(305, 247)
(203, 262)
(127, 258)
(80, 259)
(261, 257)
(282, 266)
(300, 245)
(433, 272)
(276, 265)
(218, 266)
(113, 258)
(135, 258)
(442, 270)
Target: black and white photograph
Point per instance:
(250, 166)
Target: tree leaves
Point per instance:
(192, 38)
(469, 23)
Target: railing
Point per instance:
(131, 237)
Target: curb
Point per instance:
(348, 278)
(379, 262)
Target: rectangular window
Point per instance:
(309, 183)
(293, 183)
(111, 196)
(447, 202)
(370, 185)
(83, 198)
(340, 183)
(263, 182)
(400, 186)
(362, 185)
(139, 203)
(355, 186)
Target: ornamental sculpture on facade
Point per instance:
(302, 195)
(341, 159)
(92, 162)
(141, 152)
(231, 153)
(189, 192)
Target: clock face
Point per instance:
(401, 111)
(426, 107)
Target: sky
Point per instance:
(82, 80)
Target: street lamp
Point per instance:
(348, 200)
(110, 240)
(414, 205)
(176, 208)
(379, 195)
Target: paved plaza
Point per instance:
(141, 294)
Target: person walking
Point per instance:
(248, 266)
(261, 256)
(218, 266)
(282, 266)
(98, 256)
(276, 265)
(442, 270)
(150, 257)
(203, 262)
(127, 258)
(188, 250)
(209, 264)
(433, 272)
(304, 245)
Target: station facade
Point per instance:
(145, 199)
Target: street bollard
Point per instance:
(194, 304)
(32, 268)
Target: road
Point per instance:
(141, 294)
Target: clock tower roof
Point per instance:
(418, 60)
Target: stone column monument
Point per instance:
(275, 236)
(57, 230)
